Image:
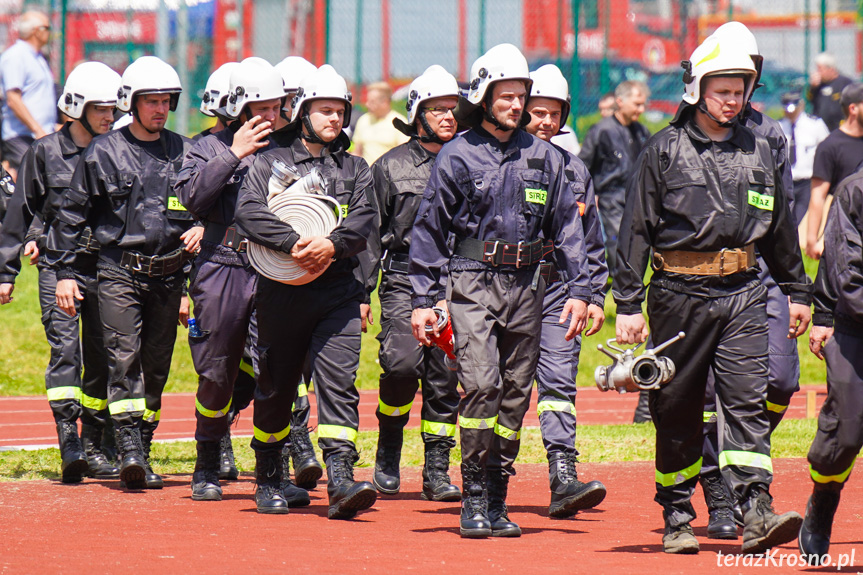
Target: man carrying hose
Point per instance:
(321, 319)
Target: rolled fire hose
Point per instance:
(303, 203)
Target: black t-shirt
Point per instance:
(826, 102)
(837, 157)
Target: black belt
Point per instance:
(155, 266)
(227, 236)
(395, 263)
(549, 272)
(501, 253)
(87, 241)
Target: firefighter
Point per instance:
(216, 97)
(307, 469)
(400, 178)
(320, 319)
(836, 338)
(501, 193)
(88, 99)
(123, 189)
(223, 281)
(557, 368)
(705, 193)
(783, 361)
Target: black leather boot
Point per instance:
(642, 410)
(436, 482)
(73, 461)
(98, 465)
(474, 522)
(720, 507)
(268, 476)
(133, 464)
(295, 496)
(498, 485)
(307, 469)
(568, 494)
(347, 496)
(814, 537)
(386, 478)
(152, 479)
(205, 479)
(227, 465)
(765, 529)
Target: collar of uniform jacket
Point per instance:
(420, 154)
(741, 136)
(67, 144)
(507, 148)
(299, 152)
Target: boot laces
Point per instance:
(300, 441)
(475, 500)
(566, 471)
(226, 450)
(342, 468)
(716, 491)
(438, 464)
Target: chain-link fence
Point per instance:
(395, 40)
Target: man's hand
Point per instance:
(192, 239)
(818, 338)
(814, 248)
(578, 310)
(251, 137)
(420, 318)
(800, 317)
(32, 250)
(631, 329)
(6, 290)
(66, 294)
(183, 320)
(313, 254)
(366, 316)
(597, 314)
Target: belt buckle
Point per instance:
(518, 248)
(489, 256)
(136, 266)
(658, 262)
(244, 244)
(722, 262)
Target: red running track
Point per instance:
(95, 527)
(27, 423)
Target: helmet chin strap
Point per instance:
(431, 136)
(722, 124)
(134, 112)
(86, 124)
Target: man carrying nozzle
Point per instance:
(706, 191)
(317, 316)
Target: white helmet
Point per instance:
(253, 80)
(738, 33)
(548, 82)
(218, 86)
(88, 83)
(148, 75)
(502, 62)
(322, 84)
(293, 69)
(715, 58)
(435, 82)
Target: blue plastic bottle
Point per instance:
(194, 330)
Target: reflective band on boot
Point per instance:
(776, 408)
(745, 459)
(94, 403)
(337, 432)
(477, 423)
(127, 406)
(213, 413)
(507, 433)
(267, 437)
(564, 406)
(677, 477)
(841, 478)
(394, 411)
(435, 428)
(152, 416)
(63, 393)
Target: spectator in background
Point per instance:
(609, 152)
(825, 86)
(30, 108)
(374, 134)
(836, 158)
(804, 133)
(606, 105)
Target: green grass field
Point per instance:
(24, 351)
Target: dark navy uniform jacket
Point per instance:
(125, 192)
(693, 194)
(484, 189)
(839, 284)
(45, 173)
(609, 152)
(348, 180)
